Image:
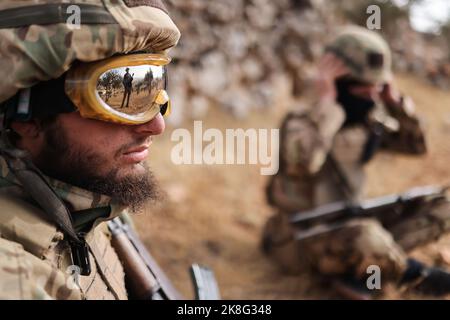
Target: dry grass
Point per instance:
(214, 214)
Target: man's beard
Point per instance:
(80, 167)
(356, 108)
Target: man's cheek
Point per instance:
(105, 149)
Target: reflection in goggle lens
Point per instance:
(131, 90)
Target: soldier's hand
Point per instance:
(390, 95)
(330, 68)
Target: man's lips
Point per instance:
(136, 154)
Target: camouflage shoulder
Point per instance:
(24, 276)
(16, 279)
(307, 137)
(318, 111)
(24, 223)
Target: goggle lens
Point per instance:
(133, 90)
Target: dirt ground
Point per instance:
(214, 215)
(138, 101)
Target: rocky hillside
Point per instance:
(237, 54)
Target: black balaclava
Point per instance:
(356, 108)
(356, 112)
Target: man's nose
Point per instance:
(153, 127)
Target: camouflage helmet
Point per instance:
(40, 39)
(365, 53)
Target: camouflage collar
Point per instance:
(76, 199)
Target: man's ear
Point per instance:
(29, 129)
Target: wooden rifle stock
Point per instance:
(145, 279)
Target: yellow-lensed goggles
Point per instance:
(129, 89)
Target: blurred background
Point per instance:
(244, 64)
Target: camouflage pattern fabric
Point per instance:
(35, 259)
(347, 248)
(365, 52)
(42, 52)
(353, 245)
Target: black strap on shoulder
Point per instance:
(53, 13)
(37, 187)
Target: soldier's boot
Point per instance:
(429, 280)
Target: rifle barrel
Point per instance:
(369, 207)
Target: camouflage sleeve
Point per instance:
(307, 138)
(409, 138)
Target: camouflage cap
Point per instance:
(39, 39)
(365, 52)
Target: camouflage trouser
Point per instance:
(350, 247)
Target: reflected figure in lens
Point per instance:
(148, 79)
(127, 85)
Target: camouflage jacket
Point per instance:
(35, 259)
(320, 159)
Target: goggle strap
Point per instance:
(23, 105)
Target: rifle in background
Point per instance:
(388, 210)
